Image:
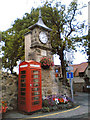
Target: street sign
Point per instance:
(69, 68)
(69, 75)
(56, 71)
(71, 86)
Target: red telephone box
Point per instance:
(29, 86)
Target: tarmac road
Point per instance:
(81, 112)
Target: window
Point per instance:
(23, 85)
(36, 102)
(36, 84)
(36, 98)
(23, 80)
(36, 93)
(22, 93)
(35, 89)
(23, 89)
(23, 76)
(23, 72)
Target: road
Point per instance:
(80, 112)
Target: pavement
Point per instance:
(80, 112)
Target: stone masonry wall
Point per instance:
(52, 87)
(9, 89)
(78, 87)
(49, 86)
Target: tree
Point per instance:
(0, 50)
(14, 40)
(60, 19)
(10, 56)
(65, 30)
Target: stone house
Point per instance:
(79, 72)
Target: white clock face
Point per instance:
(43, 37)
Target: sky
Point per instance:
(10, 10)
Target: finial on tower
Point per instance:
(40, 22)
(40, 13)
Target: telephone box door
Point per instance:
(35, 88)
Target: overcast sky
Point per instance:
(10, 10)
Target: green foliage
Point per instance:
(60, 19)
(65, 30)
(14, 40)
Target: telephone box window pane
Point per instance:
(22, 93)
(23, 89)
(35, 89)
(35, 103)
(23, 72)
(36, 93)
(22, 98)
(36, 84)
(23, 76)
(23, 85)
(35, 76)
(22, 102)
(35, 80)
(22, 80)
(36, 98)
(35, 72)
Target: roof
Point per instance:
(30, 62)
(78, 68)
(40, 23)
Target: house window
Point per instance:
(81, 74)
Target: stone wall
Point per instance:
(78, 87)
(51, 86)
(9, 89)
(78, 83)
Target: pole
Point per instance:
(71, 85)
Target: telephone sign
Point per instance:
(69, 75)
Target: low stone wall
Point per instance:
(8, 89)
(78, 83)
(78, 87)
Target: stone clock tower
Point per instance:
(37, 42)
(37, 45)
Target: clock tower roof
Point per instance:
(40, 23)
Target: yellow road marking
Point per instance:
(50, 114)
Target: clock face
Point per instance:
(43, 37)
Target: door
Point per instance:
(35, 88)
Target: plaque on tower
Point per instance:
(43, 53)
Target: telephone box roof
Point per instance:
(30, 61)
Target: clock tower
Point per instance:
(37, 41)
(38, 45)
